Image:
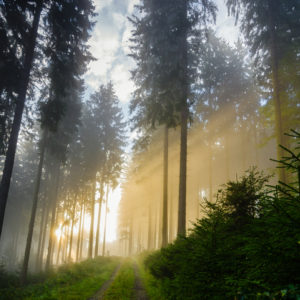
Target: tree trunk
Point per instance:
(149, 227)
(181, 229)
(82, 230)
(53, 215)
(181, 226)
(79, 231)
(41, 253)
(91, 241)
(59, 246)
(99, 219)
(130, 240)
(72, 227)
(210, 171)
(276, 88)
(105, 222)
(41, 234)
(20, 103)
(165, 190)
(171, 225)
(255, 145)
(227, 157)
(24, 270)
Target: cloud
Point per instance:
(225, 27)
(110, 46)
(124, 86)
(100, 4)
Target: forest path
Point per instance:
(124, 282)
(139, 290)
(106, 285)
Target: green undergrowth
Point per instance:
(246, 246)
(75, 281)
(151, 284)
(122, 286)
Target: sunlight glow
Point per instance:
(59, 232)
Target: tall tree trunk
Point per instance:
(91, 239)
(276, 88)
(82, 230)
(210, 171)
(155, 231)
(79, 230)
(20, 103)
(227, 157)
(105, 223)
(171, 217)
(41, 234)
(165, 190)
(255, 145)
(243, 148)
(59, 246)
(72, 227)
(130, 241)
(99, 219)
(41, 254)
(66, 243)
(24, 270)
(149, 226)
(181, 229)
(53, 215)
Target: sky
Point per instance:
(109, 44)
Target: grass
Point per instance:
(151, 284)
(70, 282)
(122, 286)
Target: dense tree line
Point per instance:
(75, 153)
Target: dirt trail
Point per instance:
(105, 286)
(139, 291)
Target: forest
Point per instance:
(180, 182)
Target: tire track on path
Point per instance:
(99, 294)
(139, 290)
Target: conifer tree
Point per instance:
(164, 39)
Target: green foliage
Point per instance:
(122, 287)
(72, 281)
(247, 246)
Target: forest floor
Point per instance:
(110, 278)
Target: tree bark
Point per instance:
(20, 103)
(165, 190)
(105, 222)
(91, 238)
(53, 217)
(72, 227)
(99, 219)
(79, 231)
(41, 234)
(149, 226)
(227, 157)
(276, 88)
(181, 229)
(24, 270)
(41, 254)
(210, 171)
(59, 246)
(82, 230)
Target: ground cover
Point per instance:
(70, 282)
